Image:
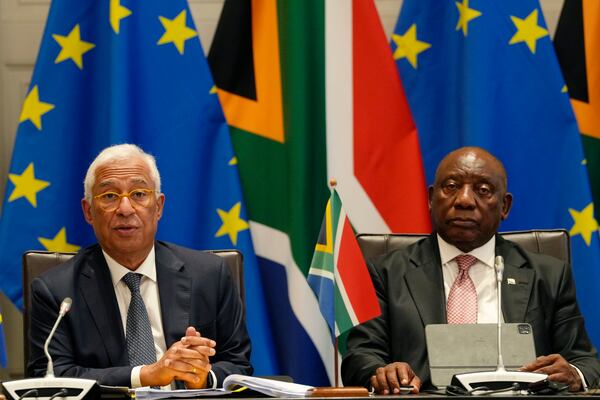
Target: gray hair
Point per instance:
(119, 152)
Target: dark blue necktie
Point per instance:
(139, 340)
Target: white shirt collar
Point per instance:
(117, 271)
(485, 254)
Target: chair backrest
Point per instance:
(35, 263)
(554, 242)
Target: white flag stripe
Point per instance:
(275, 245)
(339, 93)
(347, 303)
(321, 272)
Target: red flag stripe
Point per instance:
(354, 274)
(387, 157)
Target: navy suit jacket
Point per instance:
(195, 289)
(410, 287)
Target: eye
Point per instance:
(109, 196)
(138, 194)
(484, 190)
(449, 187)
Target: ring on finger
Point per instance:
(194, 370)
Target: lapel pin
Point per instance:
(511, 281)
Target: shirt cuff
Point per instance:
(136, 381)
(211, 380)
(584, 387)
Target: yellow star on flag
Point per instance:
(528, 30)
(176, 31)
(233, 161)
(33, 108)
(232, 223)
(72, 47)
(26, 185)
(465, 15)
(584, 223)
(407, 46)
(117, 13)
(59, 242)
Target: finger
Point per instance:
(375, 384)
(382, 381)
(539, 362)
(416, 383)
(190, 352)
(391, 375)
(191, 331)
(405, 373)
(190, 378)
(198, 341)
(194, 366)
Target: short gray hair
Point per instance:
(119, 152)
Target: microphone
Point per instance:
(65, 306)
(500, 379)
(50, 386)
(499, 269)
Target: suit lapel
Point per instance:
(175, 290)
(425, 282)
(517, 282)
(99, 295)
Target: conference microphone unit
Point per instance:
(50, 387)
(499, 380)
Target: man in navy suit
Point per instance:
(196, 317)
(467, 201)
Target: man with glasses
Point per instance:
(145, 312)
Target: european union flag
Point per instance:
(484, 73)
(125, 71)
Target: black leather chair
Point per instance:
(554, 242)
(36, 263)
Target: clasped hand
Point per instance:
(186, 360)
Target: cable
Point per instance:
(487, 391)
(28, 393)
(61, 393)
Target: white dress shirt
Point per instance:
(149, 292)
(484, 278)
(482, 274)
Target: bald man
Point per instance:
(467, 202)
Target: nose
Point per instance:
(125, 208)
(465, 197)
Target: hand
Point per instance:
(186, 360)
(557, 369)
(387, 380)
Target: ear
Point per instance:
(87, 211)
(160, 204)
(506, 205)
(430, 195)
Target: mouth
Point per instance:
(463, 223)
(125, 230)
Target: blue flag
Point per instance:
(484, 73)
(125, 71)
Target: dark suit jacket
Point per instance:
(410, 287)
(195, 289)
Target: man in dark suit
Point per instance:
(415, 287)
(192, 322)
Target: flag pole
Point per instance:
(332, 185)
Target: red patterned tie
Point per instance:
(462, 300)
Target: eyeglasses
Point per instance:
(110, 201)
